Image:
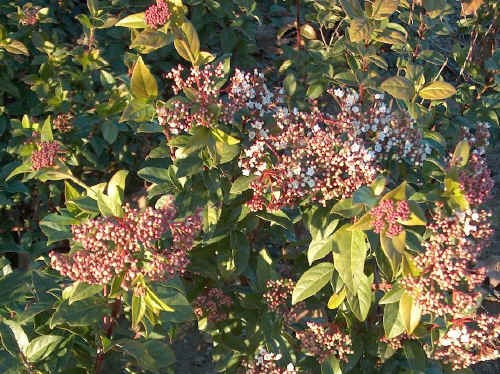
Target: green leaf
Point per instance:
(46, 131)
(399, 87)
(149, 41)
(80, 291)
(241, 184)
(382, 9)
(349, 254)
(437, 91)
(15, 47)
(138, 310)
(143, 83)
(361, 301)
(415, 355)
(278, 218)
(42, 347)
(352, 8)
(19, 334)
(346, 208)
(331, 366)
(393, 325)
(312, 281)
(319, 248)
(290, 84)
(133, 21)
(359, 30)
(116, 189)
(410, 312)
(461, 154)
(222, 137)
(393, 255)
(393, 296)
(188, 44)
(265, 269)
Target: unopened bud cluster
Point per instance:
(322, 340)
(213, 305)
(46, 155)
(157, 14)
(278, 297)
(388, 214)
(448, 279)
(109, 246)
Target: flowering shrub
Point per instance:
(312, 194)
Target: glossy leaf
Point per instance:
(312, 281)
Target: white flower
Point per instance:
(355, 147)
(338, 92)
(355, 109)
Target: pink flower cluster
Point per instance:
(46, 155)
(448, 279)
(468, 342)
(278, 293)
(325, 339)
(278, 297)
(30, 15)
(179, 115)
(157, 14)
(213, 305)
(267, 363)
(106, 247)
(388, 214)
(475, 180)
(397, 342)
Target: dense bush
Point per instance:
(306, 179)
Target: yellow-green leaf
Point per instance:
(410, 312)
(187, 44)
(437, 91)
(133, 21)
(143, 83)
(337, 299)
(381, 9)
(312, 281)
(399, 87)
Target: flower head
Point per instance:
(46, 155)
(108, 246)
(157, 14)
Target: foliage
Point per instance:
(321, 213)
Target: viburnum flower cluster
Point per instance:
(106, 247)
(475, 180)
(278, 298)
(387, 216)
(390, 135)
(157, 14)
(468, 342)
(46, 155)
(267, 363)
(179, 115)
(213, 305)
(325, 339)
(448, 279)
